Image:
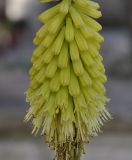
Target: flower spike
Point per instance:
(66, 91)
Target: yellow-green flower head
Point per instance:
(66, 90)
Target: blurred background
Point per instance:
(18, 24)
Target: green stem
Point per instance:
(76, 156)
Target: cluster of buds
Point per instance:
(66, 91)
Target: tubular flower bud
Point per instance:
(69, 32)
(66, 91)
